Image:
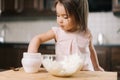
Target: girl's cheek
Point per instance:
(57, 21)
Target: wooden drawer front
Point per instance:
(115, 56)
(103, 57)
(47, 49)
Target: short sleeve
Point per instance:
(55, 29)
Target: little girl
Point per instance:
(72, 36)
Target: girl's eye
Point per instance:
(65, 17)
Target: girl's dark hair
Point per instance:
(78, 8)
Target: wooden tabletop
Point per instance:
(44, 75)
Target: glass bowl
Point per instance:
(65, 67)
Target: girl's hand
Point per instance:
(99, 69)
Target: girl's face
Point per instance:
(65, 21)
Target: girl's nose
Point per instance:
(60, 20)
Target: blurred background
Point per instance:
(32, 17)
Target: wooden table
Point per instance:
(44, 75)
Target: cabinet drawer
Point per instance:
(115, 56)
(103, 57)
(47, 49)
(116, 68)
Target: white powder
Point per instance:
(68, 66)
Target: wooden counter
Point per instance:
(44, 75)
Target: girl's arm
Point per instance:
(94, 58)
(38, 39)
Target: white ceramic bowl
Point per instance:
(31, 62)
(66, 67)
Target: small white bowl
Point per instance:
(31, 62)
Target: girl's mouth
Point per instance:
(61, 26)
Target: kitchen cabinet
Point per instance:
(2, 55)
(19, 54)
(103, 54)
(7, 5)
(9, 57)
(100, 5)
(116, 7)
(109, 57)
(26, 8)
(47, 49)
(6, 57)
(115, 60)
(12, 53)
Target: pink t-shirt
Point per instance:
(71, 43)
